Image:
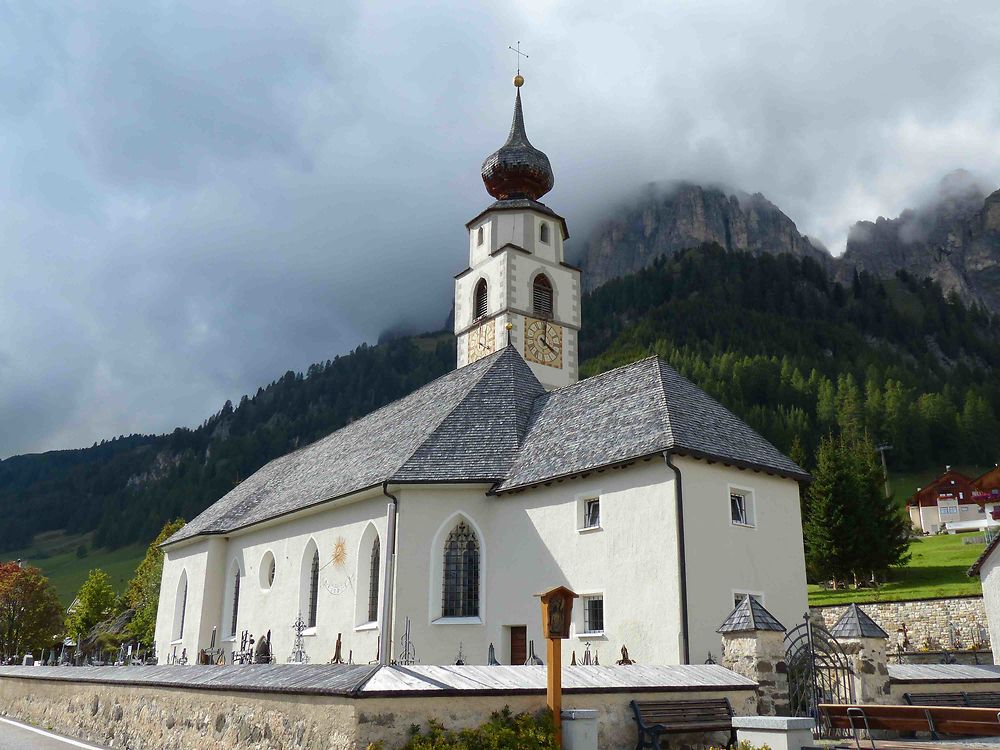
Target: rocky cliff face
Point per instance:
(664, 221)
(955, 240)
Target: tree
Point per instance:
(95, 602)
(882, 539)
(30, 613)
(143, 592)
(830, 524)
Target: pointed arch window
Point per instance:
(313, 590)
(461, 573)
(543, 232)
(180, 607)
(373, 572)
(480, 236)
(480, 299)
(236, 600)
(541, 296)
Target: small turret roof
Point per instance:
(854, 623)
(748, 616)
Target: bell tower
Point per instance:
(518, 283)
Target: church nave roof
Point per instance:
(492, 421)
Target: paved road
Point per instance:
(15, 736)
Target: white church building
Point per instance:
(451, 508)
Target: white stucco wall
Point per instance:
(202, 561)
(989, 574)
(723, 558)
(274, 608)
(530, 543)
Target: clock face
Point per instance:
(543, 341)
(482, 340)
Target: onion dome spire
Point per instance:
(517, 169)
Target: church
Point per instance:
(423, 531)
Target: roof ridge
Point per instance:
(497, 356)
(601, 375)
(666, 404)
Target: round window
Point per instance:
(267, 571)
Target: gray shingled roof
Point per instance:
(750, 615)
(633, 411)
(492, 421)
(855, 623)
(464, 426)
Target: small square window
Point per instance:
(739, 596)
(593, 614)
(741, 508)
(592, 513)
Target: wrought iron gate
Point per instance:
(819, 671)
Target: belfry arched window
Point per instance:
(373, 571)
(313, 590)
(480, 236)
(461, 573)
(543, 232)
(541, 296)
(480, 299)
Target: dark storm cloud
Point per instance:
(202, 196)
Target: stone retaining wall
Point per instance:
(929, 622)
(164, 718)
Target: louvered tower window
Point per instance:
(480, 302)
(236, 601)
(541, 296)
(461, 573)
(313, 589)
(373, 583)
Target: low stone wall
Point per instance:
(929, 622)
(172, 718)
(942, 678)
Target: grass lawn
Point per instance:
(937, 568)
(55, 554)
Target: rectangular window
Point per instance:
(593, 614)
(741, 508)
(592, 513)
(739, 596)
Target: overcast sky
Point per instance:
(198, 197)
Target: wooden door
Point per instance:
(518, 644)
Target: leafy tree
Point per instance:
(30, 613)
(95, 602)
(143, 591)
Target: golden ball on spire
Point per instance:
(519, 80)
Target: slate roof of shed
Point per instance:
(855, 623)
(491, 421)
(750, 615)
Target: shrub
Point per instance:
(504, 731)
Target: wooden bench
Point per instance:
(975, 722)
(969, 700)
(655, 718)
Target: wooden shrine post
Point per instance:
(557, 612)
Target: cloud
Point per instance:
(200, 197)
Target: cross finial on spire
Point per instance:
(518, 79)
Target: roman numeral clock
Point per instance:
(543, 342)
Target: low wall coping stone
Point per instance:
(777, 723)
